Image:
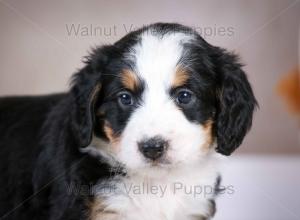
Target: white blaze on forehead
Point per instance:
(157, 57)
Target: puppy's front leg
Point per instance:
(99, 212)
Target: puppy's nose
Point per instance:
(153, 148)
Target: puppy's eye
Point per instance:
(125, 99)
(185, 97)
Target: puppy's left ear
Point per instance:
(86, 89)
(236, 103)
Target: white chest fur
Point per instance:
(171, 195)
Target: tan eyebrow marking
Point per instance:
(181, 77)
(130, 80)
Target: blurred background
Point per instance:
(42, 44)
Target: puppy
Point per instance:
(138, 136)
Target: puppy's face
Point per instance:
(162, 98)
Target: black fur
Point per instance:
(236, 103)
(41, 137)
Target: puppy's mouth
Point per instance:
(162, 162)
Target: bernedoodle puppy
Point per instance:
(138, 135)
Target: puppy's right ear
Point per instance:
(86, 88)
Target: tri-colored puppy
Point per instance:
(143, 125)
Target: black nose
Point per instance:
(153, 148)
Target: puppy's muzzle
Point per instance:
(153, 148)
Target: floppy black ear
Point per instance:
(86, 87)
(236, 103)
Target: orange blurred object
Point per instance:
(289, 89)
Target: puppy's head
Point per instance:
(162, 96)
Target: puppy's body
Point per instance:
(21, 120)
(141, 126)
